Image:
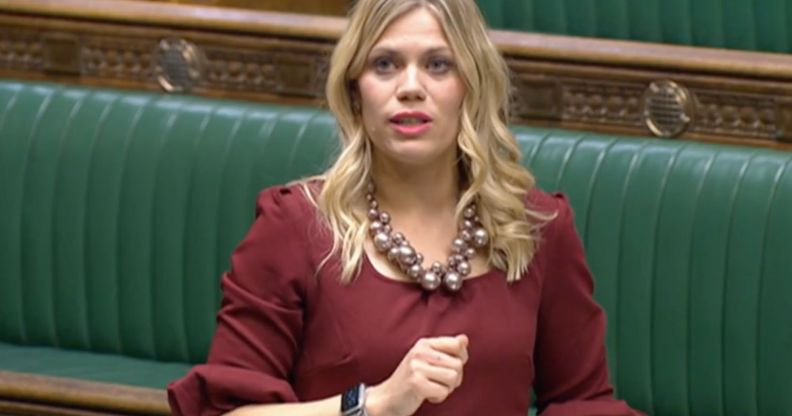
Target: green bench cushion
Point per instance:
(89, 366)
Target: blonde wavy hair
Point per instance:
(489, 155)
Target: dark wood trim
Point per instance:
(560, 81)
(36, 394)
(14, 408)
(644, 55)
(320, 7)
(182, 16)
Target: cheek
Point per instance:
(451, 104)
(370, 100)
(450, 100)
(371, 91)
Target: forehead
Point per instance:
(418, 28)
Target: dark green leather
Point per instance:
(690, 246)
(118, 212)
(764, 25)
(85, 365)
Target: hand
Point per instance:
(431, 370)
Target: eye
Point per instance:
(440, 65)
(383, 64)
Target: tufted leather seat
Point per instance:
(118, 212)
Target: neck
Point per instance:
(416, 189)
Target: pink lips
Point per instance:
(411, 130)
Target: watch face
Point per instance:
(350, 400)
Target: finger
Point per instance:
(449, 345)
(450, 378)
(455, 346)
(440, 359)
(463, 339)
(432, 391)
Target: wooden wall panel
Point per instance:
(323, 7)
(29, 394)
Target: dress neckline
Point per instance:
(367, 264)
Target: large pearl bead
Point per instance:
(430, 280)
(406, 255)
(458, 246)
(382, 242)
(375, 228)
(415, 271)
(398, 238)
(480, 237)
(452, 281)
(469, 253)
(469, 212)
(393, 253)
(373, 214)
(463, 268)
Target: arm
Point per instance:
(326, 407)
(259, 325)
(571, 367)
(431, 371)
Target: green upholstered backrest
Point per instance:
(764, 25)
(118, 212)
(691, 248)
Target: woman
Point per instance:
(422, 274)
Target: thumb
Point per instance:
(463, 340)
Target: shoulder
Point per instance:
(560, 248)
(288, 202)
(290, 211)
(554, 205)
(557, 223)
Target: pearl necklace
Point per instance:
(401, 254)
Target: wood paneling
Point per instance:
(325, 7)
(27, 394)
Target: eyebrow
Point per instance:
(392, 51)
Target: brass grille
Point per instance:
(668, 108)
(179, 65)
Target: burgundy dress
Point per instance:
(286, 333)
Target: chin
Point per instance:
(414, 154)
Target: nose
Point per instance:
(411, 88)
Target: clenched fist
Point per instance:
(431, 370)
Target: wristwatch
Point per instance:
(353, 401)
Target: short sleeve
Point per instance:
(260, 321)
(570, 358)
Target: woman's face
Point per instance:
(411, 92)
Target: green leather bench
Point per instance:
(118, 212)
(735, 24)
